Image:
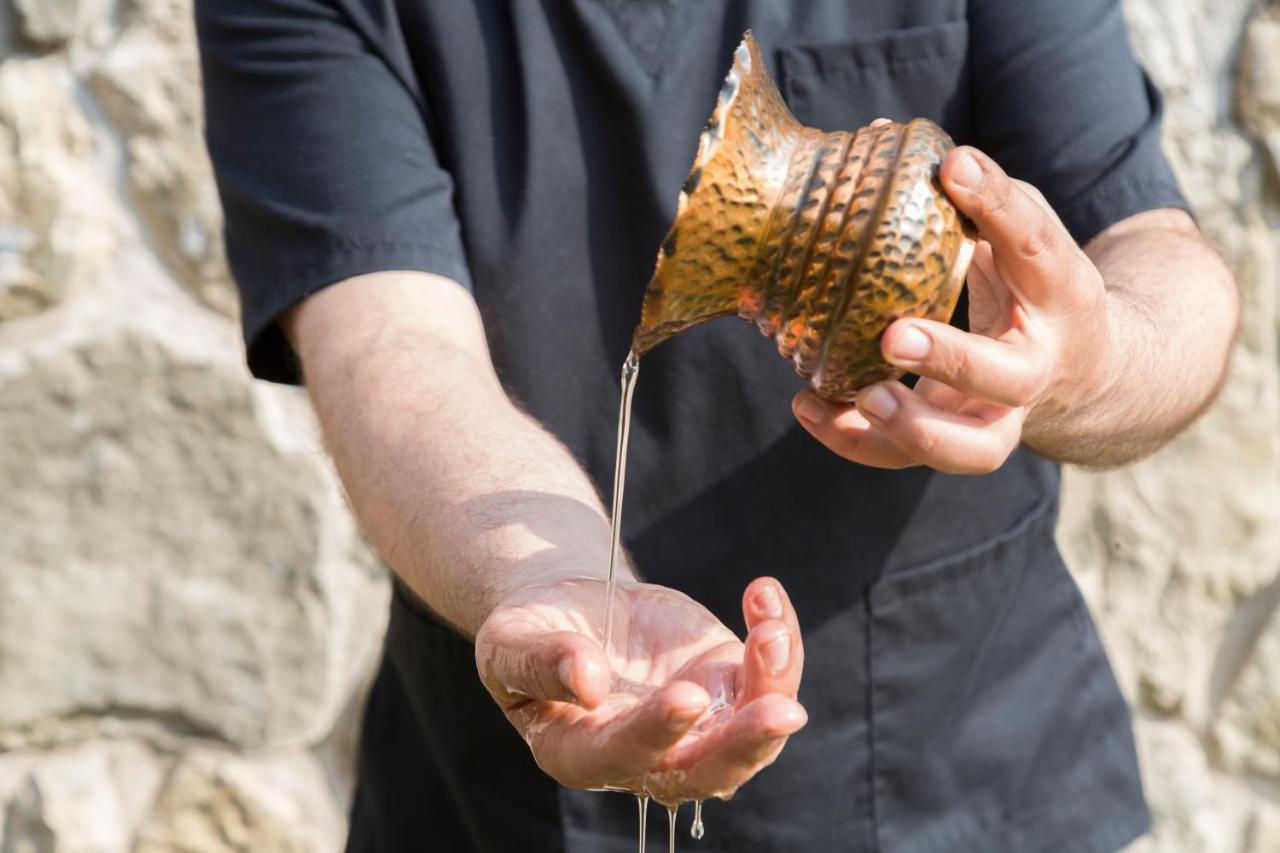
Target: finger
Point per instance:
(1028, 239)
(950, 399)
(765, 602)
(845, 432)
(519, 665)
(990, 302)
(765, 598)
(1011, 373)
(771, 662)
(880, 122)
(946, 441)
(586, 750)
(727, 757)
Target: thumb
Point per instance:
(1026, 236)
(521, 665)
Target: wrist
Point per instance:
(1088, 371)
(577, 556)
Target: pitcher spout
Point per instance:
(724, 205)
(822, 239)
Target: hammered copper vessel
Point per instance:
(821, 239)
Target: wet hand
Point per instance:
(1037, 343)
(680, 708)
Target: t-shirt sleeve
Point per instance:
(323, 162)
(1061, 102)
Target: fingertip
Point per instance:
(878, 401)
(763, 599)
(962, 170)
(906, 342)
(683, 702)
(792, 718)
(585, 674)
(808, 408)
(780, 716)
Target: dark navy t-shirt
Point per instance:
(533, 150)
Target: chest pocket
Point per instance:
(900, 75)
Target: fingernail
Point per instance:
(777, 652)
(680, 715)
(810, 409)
(878, 401)
(769, 602)
(912, 345)
(565, 672)
(967, 172)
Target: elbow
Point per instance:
(1223, 316)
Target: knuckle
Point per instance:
(999, 457)
(1000, 453)
(849, 445)
(1029, 386)
(1039, 242)
(999, 198)
(1033, 191)
(1031, 379)
(986, 462)
(956, 363)
(1023, 393)
(985, 467)
(922, 440)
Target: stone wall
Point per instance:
(187, 612)
(1179, 555)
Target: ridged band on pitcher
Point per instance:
(821, 239)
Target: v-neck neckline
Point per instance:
(646, 26)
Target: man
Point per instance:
(443, 214)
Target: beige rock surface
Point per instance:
(50, 22)
(58, 226)
(180, 544)
(1248, 727)
(1179, 555)
(223, 803)
(148, 82)
(1259, 96)
(1194, 808)
(83, 799)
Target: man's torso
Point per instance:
(957, 694)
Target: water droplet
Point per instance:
(697, 830)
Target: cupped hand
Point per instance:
(679, 709)
(1037, 344)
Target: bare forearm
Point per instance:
(465, 496)
(1170, 319)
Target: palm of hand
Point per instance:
(680, 709)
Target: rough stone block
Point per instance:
(166, 566)
(85, 799)
(224, 803)
(49, 23)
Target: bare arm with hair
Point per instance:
(490, 520)
(1172, 309)
(1095, 355)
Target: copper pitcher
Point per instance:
(821, 239)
